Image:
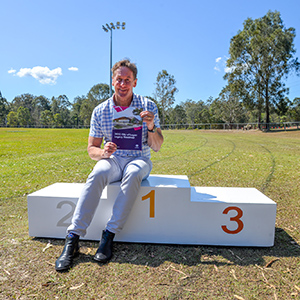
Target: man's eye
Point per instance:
(126, 81)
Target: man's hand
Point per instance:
(148, 118)
(155, 139)
(108, 149)
(96, 152)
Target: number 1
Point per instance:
(151, 196)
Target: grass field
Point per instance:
(31, 159)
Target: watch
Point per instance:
(153, 129)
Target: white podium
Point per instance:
(167, 210)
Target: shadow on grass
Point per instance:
(153, 255)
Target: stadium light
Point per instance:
(110, 28)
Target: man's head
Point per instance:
(125, 63)
(124, 80)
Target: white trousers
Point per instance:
(130, 171)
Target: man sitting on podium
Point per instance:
(113, 164)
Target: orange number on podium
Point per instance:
(236, 219)
(151, 196)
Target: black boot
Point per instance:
(104, 252)
(71, 249)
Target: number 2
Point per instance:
(61, 222)
(236, 219)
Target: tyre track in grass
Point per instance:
(216, 161)
(269, 178)
(267, 181)
(181, 153)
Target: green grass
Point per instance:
(31, 159)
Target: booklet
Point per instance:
(127, 127)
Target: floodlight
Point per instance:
(110, 28)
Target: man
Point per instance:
(128, 166)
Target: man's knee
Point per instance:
(138, 170)
(100, 173)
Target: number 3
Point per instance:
(236, 219)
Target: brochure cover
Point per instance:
(127, 128)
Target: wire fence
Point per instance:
(236, 126)
(280, 126)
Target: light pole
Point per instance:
(110, 28)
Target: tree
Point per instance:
(295, 110)
(196, 112)
(41, 103)
(24, 100)
(46, 118)
(23, 116)
(57, 120)
(86, 110)
(98, 93)
(75, 112)
(61, 105)
(3, 109)
(190, 108)
(232, 109)
(215, 110)
(261, 56)
(12, 119)
(282, 106)
(165, 91)
(178, 115)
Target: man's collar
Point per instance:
(134, 99)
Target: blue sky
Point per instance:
(58, 47)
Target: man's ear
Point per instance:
(135, 82)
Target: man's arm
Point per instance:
(155, 139)
(96, 152)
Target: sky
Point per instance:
(58, 47)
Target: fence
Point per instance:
(200, 126)
(236, 126)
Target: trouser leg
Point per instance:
(104, 172)
(134, 172)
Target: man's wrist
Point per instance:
(153, 129)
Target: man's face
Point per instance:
(123, 82)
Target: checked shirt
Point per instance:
(102, 123)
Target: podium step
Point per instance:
(167, 210)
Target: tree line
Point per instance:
(27, 110)
(261, 56)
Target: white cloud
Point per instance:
(221, 64)
(11, 71)
(218, 62)
(73, 69)
(43, 74)
(229, 70)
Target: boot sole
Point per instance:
(102, 260)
